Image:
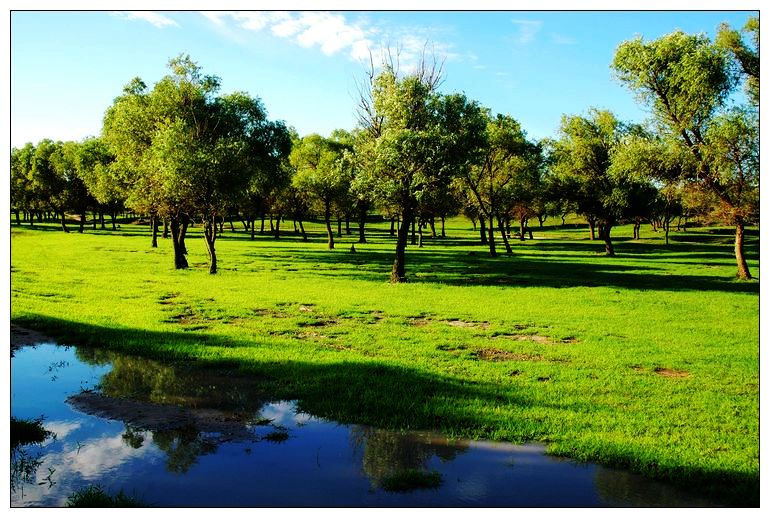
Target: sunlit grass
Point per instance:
(647, 360)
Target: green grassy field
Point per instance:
(648, 360)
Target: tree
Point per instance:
(687, 81)
(321, 173)
(584, 155)
(746, 57)
(191, 153)
(95, 167)
(21, 191)
(418, 140)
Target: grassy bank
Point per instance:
(647, 360)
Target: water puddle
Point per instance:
(174, 435)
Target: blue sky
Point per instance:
(67, 67)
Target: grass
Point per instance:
(95, 496)
(648, 360)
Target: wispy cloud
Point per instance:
(158, 20)
(560, 39)
(333, 33)
(528, 29)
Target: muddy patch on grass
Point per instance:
(466, 324)
(21, 337)
(670, 373)
(498, 355)
(538, 339)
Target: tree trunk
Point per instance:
(277, 229)
(262, 227)
(483, 230)
(113, 215)
(743, 268)
(398, 274)
(210, 235)
(328, 220)
(541, 219)
(183, 233)
(18, 218)
(414, 231)
(392, 226)
(63, 223)
(667, 228)
(443, 227)
(420, 224)
(522, 224)
(592, 227)
(604, 234)
(154, 225)
(347, 224)
(563, 219)
(432, 227)
(232, 227)
(491, 240)
(302, 230)
(361, 224)
(165, 228)
(501, 226)
(180, 261)
(339, 226)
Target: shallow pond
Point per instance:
(174, 435)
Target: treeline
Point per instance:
(181, 152)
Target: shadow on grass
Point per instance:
(381, 394)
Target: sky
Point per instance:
(68, 66)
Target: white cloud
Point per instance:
(560, 39)
(528, 29)
(333, 33)
(158, 20)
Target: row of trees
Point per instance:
(181, 153)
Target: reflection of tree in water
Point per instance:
(24, 464)
(134, 377)
(388, 453)
(137, 379)
(182, 447)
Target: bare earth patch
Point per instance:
(462, 323)
(670, 373)
(498, 355)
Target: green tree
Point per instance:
(21, 191)
(584, 155)
(746, 56)
(687, 81)
(418, 140)
(322, 173)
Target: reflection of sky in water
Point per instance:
(320, 464)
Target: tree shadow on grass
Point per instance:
(371, 392)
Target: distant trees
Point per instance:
(687, 80)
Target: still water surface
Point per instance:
(173, 435)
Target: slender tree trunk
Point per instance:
(443, 227)
(302, 230)
(501, 226)
(328, 221)
(414, 231)
(491, 239)
(361, 224)
(592, 227)
(604, 234)
(392, 226)
(432, 227)
(183, 233)
(262, 227)
(347, 224)
(420, 224)
(563, 219)
(18, 218)
(232, 227)
(667, 228)
(473, 222)
(113, 215)
(339, 226)
(272, 228)
(253, 227)
(483, 230)
(522, 225)
(180, 261)
(743, 267)
(277, 234)
(529, 229)
(296, 230)
(398, 274)
(63, 222)
(210, 236)
(165, 228)
(154, 225)
(541, 219)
